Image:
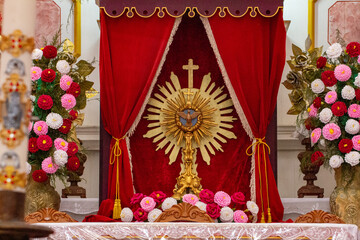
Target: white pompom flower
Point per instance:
(36, 54)
(63, 67)
(60, 157)
(201, 206)
(154, 214)
(352, 126)
(54, 120)
(28, 168)
(253, 207)
(226, 214)
(334, 51)
(336, 161)
(317, 86)
(126, 215)
(325, 115)
(348, 92)
(168, 203)
(352, 158)
(357, 81)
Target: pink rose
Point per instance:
(240, 217)
(213, 210)
(136, 198)
(206, 196)
(140, 215)
(238, 197)
(315, 135)
(158, 196)
(222, 199)
(190, 198)
(148, 204)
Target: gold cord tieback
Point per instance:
(115, 156)
(257, 144)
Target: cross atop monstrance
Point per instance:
(190, 67)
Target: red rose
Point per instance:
(136, 199)
(213, 210)
(238, 197)
(321, 62)
(158, 196)
(39, 176)
(65, 128)
(72, 149)
(73, 115)
(345, 145)
(206, 196)
(73, 164)
(140, 215)
(33, 145)
(317, 102)
(74, 89)
(339, 109)
(50, 52)
(45, 102)
(44, 142)
(48, 75)
(353, 49)
(357, 94)
(328, 78)
(317, 158)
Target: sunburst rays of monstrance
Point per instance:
(189, 119)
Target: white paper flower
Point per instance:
(201, 205)
(253, 207)
(54, 120)
(126, 215)
(317, 86)
(336, 161)
(322, 142)
(63, 66)
(226, 214)
(154, 214)
(60, 157)
(334, 51)
(348, 92)
(28, 168)
(36, 54)
(168, 203)
(352, 158)
(357, 80)
(352, 126)
(325, 115)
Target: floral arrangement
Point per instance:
(58, 93)
(219, 206)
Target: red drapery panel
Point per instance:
(130, 52)
(253, 52)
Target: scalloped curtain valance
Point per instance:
(177, 8)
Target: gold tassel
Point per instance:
(117, 209)
(262, 218)
(269, 216)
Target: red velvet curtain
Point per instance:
(130, 52)
(253, 52)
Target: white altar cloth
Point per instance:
(87, 231)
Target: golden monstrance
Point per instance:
(189, 119)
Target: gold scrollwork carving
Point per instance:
(17, 43)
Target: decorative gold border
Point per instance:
(311, 22)
(77, 27)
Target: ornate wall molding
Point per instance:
(90, 136)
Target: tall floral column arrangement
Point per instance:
(59, 85)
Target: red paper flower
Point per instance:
(48, 75)
(339, 109)
(321, 62)
(213, 210)
(317, 158)
(357, 94)
(50, 52)
(238, 197)
(74, 89)
(140, 215)
(45, 102)
(158, 196)
(206, 196)
(33, 145)
(317, 102)
(308, 124)
(353, 49)
(345, 145)
(72, 149)
(328, 78)
(39, 176)
(73, 164)
(136, 199)
(65, 128)
(73, 115)
(44, 142)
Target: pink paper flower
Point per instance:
(61, 144)
(65, 82)
(40, 128)
(358, 60)
(35, 73)
(240, 217)
(312, 111)
(331, 131)
(222, 199)
(354, 111)
(30, 126)
(48, 166)
(148, 204)
(356, 142)
(342, 72)
(315, 135)
(190, 198)
(331, 97)
(68, 101)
